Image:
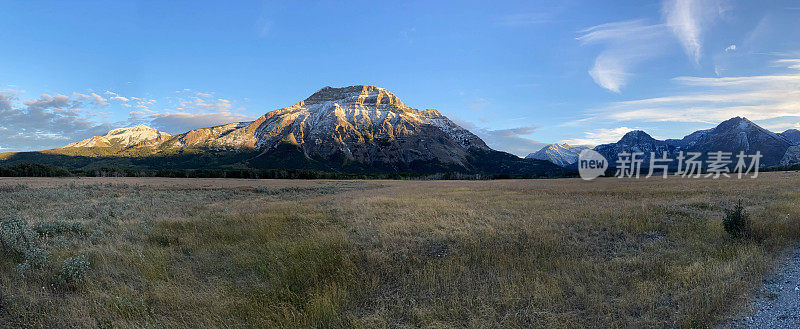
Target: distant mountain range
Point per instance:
(734, 135)
(352, 129)
(367, 129)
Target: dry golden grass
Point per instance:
(518, 253)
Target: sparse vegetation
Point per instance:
(517, 253)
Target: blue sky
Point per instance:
(519, 74)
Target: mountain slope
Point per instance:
(562, 155)
(792, 135)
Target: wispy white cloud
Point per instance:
(600, 136)
(792, 123)
(791, 63)
(511, 140)
(712, 100)
(627, 44)
(688, 19)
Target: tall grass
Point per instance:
(545, 253)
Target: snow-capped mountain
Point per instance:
(739, 134)
(365, 123)
(363, 127)
(562, 155)
(136, 136)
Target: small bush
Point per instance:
(35, 259)
(15, 236)
(73, 270)
(19, 240)
(737, 222)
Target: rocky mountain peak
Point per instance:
(636, 136)
(363, 95)
(736, 123)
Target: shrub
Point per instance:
(18, 239)
(15, 236)
(737, 222)
(35, 259)
(73, 270)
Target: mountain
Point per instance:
(733, 135)
(792, 135)
(562, 155)
(636, 141)
(351, 129)
(136, 136)
(364, 123)
(739, 134)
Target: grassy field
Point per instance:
(155, 253)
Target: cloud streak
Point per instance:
(627, 44)
(510, 140)
(757, 97)
(600, 136)
(688, 18)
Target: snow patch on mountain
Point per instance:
(562, 155)
(139, 135)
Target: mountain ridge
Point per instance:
(732, 135)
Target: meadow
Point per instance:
(237, 253)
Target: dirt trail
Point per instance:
(778, 301)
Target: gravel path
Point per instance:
(778, 302)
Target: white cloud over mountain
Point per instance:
(51, 121)
(510, 140)
(600, 136)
